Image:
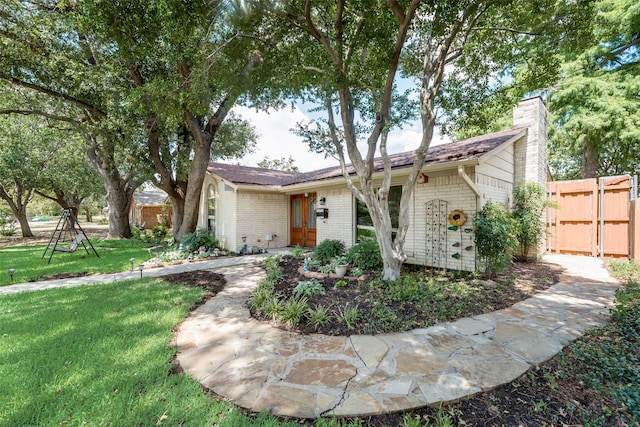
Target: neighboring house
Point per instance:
(267, 208)
(146, 207)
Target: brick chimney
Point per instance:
(531, 156)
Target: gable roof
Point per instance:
(467, 149)
(150, 197)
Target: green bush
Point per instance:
(201, 237)
(160, 232)
(365, 255)
(495, 237)
(328, 249)
(530, 201)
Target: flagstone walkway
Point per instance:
(263, 368)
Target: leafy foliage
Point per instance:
(308, 287)
(495, 237)
(608, 361)
(318, 316)
(294, 311)
(328, 249)
(365, 255)
(530, 201)
(201, 237)
(283, 164)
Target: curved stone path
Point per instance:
(262, 368)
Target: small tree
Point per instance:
(530, 202)
(495, 238)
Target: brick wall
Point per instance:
(259, 214)
(341, 222)
(457, 195)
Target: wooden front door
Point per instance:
(303, 219)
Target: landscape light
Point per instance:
(10, 273)
(132, 260)
(140, 267)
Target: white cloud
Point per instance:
(276, 140)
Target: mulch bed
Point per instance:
(521, 281)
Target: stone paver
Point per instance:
(262, 368)
(315, 375)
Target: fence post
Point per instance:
(634, 230)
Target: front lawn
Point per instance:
(29, 265)
(99, 355)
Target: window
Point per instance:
(364, 224)
(212, 197)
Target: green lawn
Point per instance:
(28, 263)
(99, 355)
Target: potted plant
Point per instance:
(341, 265)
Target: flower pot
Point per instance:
(341, 270)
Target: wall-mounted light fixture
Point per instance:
(323, 200)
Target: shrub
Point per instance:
(495, 237)
(365, 255)
(201, 237)
(272, 266)
(260, 297)
(530, 202)
(318, 317)
(160, 232)
(273, 307)
(350, 316)
(308, 287)
(297, 251)
(341, 284)
(328, 249)
(294, 310)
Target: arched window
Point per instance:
(212, 196)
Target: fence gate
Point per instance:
(592, 217)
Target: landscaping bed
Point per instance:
(369, 305)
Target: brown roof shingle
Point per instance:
(467, 149)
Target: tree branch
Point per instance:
(506, 29)
(617, 51)
(397, 10)
(54, 93)
(40, 113)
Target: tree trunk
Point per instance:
(24, 223)
(119, 190)
(19, 207)
(589, 160)
(177, 212)
(119, 200)
(191, 207)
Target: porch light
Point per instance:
(10, 273)
(323, 200)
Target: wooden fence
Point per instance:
(594, 217)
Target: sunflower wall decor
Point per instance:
(457, 217)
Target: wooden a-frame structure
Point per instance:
(68, 225)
